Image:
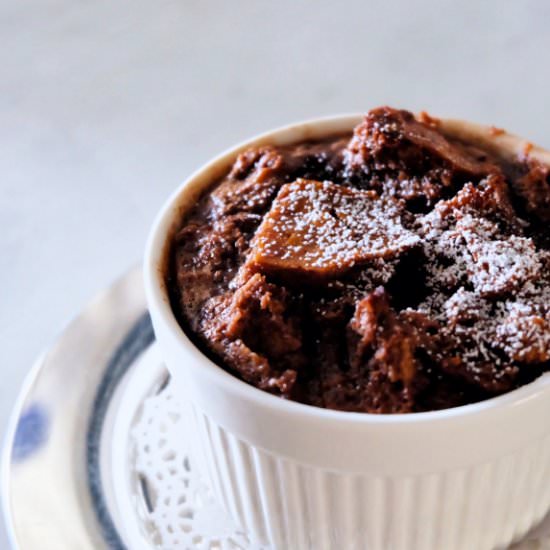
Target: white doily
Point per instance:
(177, 509)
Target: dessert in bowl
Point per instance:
(383, 283)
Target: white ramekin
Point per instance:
(301, 477)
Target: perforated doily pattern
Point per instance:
(177, 509)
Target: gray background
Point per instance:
(106, 105)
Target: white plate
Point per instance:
(95, 456)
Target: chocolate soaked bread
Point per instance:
(392, 270)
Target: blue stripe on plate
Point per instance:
(138, 339)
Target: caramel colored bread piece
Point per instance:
(320, 230)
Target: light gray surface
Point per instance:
(106, 105)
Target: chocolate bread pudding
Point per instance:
(395, 269)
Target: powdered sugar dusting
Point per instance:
(486, 285)
(523, 325)
(326, 228)
(491, 262)
(489, 287)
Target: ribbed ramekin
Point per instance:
(300, 477)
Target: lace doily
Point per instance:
(177, 509)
